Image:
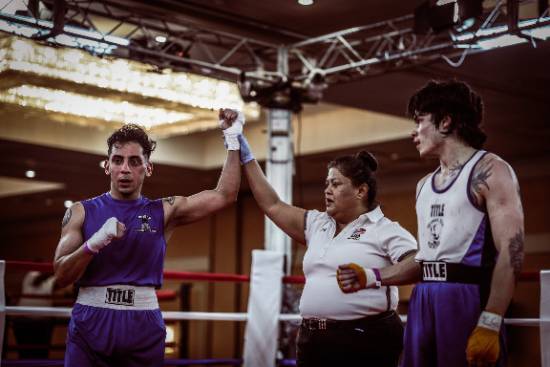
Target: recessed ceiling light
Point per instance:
(30, 174)
(305, 2)
(444, 2)
(68, 203)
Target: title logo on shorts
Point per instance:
(357, 233)
(435, 226)
(119, 296)
(145, 225)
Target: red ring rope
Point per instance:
(526, 276)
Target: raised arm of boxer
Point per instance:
(73, 254)
(181, 210)
(290, 219)
(495, 186)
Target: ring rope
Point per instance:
(168, 274)
(219, 277)
(212, 316)
(174, 315)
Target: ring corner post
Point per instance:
(2, 306)
(545, 318)
(264, 305)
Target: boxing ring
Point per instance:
(262, 317)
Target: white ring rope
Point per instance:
(210, 316)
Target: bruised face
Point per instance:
(127, 166)
(341, 196)
(426, 136)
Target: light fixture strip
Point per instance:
(99, 108)
(120, 75)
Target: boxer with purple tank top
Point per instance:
(112, 247)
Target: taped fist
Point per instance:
(231, 122)
(110, 230)
(483, 344)
(352, 277)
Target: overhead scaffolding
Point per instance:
(319, 61)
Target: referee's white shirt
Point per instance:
(372, 241)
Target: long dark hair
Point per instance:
(454, 99)
(359, 168)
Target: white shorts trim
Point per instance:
(119, 297)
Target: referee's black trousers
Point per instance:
(374, 341)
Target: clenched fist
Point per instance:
(110, 230)
(352, 277)
(231, 122)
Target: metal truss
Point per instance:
(393, 44)
(184, 47)
(172, 42)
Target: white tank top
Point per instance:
(451, 227)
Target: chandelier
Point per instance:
(112, 90)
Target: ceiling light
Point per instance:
(165, 100)
(444, 2)
(500, 41)
(160, 39)
(305, 2)
(92, 107)
(120, 75)
(495, 37)
(539, 33)
(30, 174)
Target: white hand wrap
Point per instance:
(489, 320)
(103, 236)
(231, 134)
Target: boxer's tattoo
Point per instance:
(170, 200)
(454, 170)
(480, 177)
(516, 252)
(66, 217)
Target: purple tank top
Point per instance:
(138, 257)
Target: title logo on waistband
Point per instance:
(145, 226)
(120, 296)
(435, 271)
